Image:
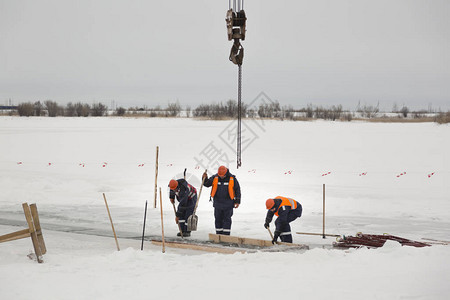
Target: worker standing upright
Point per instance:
(287, 210)
(226, 195)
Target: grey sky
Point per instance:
(323, 52)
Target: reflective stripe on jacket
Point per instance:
(286, 202)
(230, 187)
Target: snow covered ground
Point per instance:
(380, 178)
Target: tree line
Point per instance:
(217, 111)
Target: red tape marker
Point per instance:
(325, 174)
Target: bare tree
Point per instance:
(25, 109)
(52, 108)
(70, 110)
(99, 109)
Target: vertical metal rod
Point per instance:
(234, 5)
(162, 222)
(229, 4)
(239, 129)
(143, 227)
(323, 210)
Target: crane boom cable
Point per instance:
(239, 135)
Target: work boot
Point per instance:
(185, 234)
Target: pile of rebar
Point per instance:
(373, 241)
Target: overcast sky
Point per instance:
(144, 52)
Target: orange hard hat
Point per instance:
(173, 184)
(222, 171)
(270, 203)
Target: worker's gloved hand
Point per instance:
(237, 202)
(172, 200)
(275, 236)
(176, 219)
(266, 225)
(204, 176)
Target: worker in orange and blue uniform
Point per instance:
(226, 195)
(186, 195)
(287, 210)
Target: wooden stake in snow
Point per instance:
(323, 221)
(156, 176)
(162, 222)
(112, 225)
(32, 230)
(37, 225)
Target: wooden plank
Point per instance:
(199, 247)
(220, 238)
(311, 233)
(15, 235)
(156, 175)
(37, 225)
(32, 230)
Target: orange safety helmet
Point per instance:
(270, 203)
(173, 184)
(222, 171)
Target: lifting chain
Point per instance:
(236, 22)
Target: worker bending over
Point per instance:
(287, 210)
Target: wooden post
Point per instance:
(112, 225)
(37, 224)
(323, 210)
(156, 176)
(162, 222)
(32, 229)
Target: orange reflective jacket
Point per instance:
(230, 187)
(286, 202)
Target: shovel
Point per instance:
(193, 219)
(271, 235)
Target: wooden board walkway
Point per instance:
(219, 238)
(200, 247)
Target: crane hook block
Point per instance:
(236, 24)
(236, 31)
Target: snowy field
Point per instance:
(380, 178)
